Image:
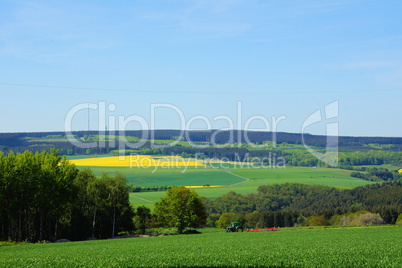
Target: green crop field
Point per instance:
(85, 156)
(347, 247)
(171, 176)
(241, 180)
(339, 178)
(319, 176)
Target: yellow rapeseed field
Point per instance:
(137, 161)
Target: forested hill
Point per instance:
(384, 198)
(37, 141)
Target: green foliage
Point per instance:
(225, 219)
(35, 191)
(162, 188)
(43, 197)
(372, 157)
(399, 220)
(353, 150)
(361, 218)
(254, 219)
(318, 221)
(313, 199)
(346, 247)
(181, 208)
(142, 218)
(382, 146)
(335, 220)
(301, 221)
(376, 175)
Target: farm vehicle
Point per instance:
(234, 227)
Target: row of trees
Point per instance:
(380, 175)
(313, 200)
(285, 205)
(236, 144)
(157, 188)
(296, 219)
(44, 197)
(220, 137)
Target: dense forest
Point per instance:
(44, 197)
(231, 145)
(30, 140)
(286, 205)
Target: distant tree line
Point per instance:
(380, 175)
(287, 205)
(280, 205)
(157, 188)
(268, 146)
(296, 219)
(19, 142)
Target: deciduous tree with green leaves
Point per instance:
(142, 218)
(180, 208)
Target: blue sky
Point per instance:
(277, 58)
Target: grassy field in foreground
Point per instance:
(349, 247)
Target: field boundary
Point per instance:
(245, 179)
(143, 199)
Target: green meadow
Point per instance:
(241, 179)
(171, 176)
(252, 178)
(342, 247)
(339, 178)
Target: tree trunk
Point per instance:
(93, 223)
(40, 227)
(20, 227)
(49, 231)
(27, 225)
(2, 230)
(114, 221)
(11, 228)
(55, 231)
(180, 229)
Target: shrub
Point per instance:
(318, 221)
(399, 220)
(365, 218)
